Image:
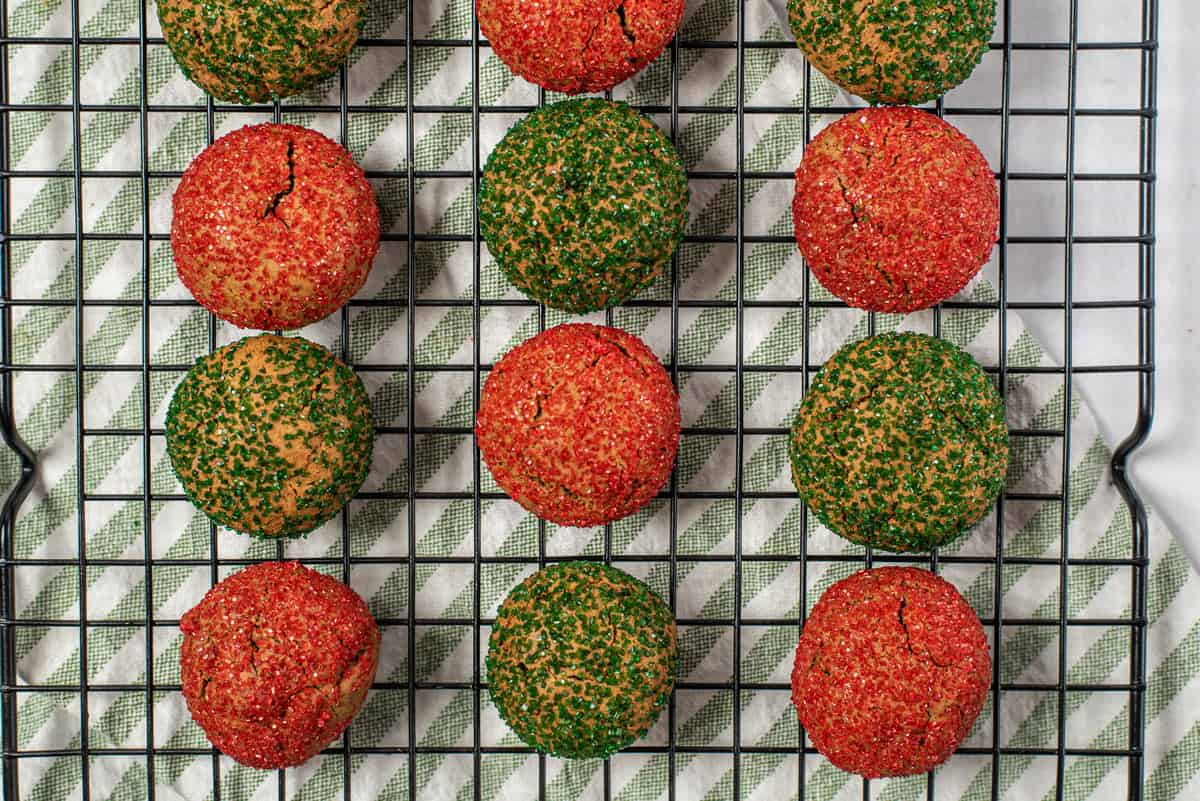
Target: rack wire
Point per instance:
(14, 690)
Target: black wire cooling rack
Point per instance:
(13, 689)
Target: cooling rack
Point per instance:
(475, 752)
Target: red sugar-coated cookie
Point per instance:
(892, 669)
(275, 662)
(895, 210)
(579, 424)
(274, 227)
(578, 46)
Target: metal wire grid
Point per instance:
(1142, 371)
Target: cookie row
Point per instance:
(899, 444)
(886, 52)
(890, 673)
(582, 205)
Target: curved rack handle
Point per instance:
(19, 491)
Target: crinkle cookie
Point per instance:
(892, 669)
(901, 442)
(579, 424)
(270, 436)
(582, 659)
(895, 210)
(583, 203)
(894, 52)
(245, 52)
(276, 660)
(575, 46)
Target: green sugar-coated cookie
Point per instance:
(894, 51)
(901, 442)
(583, 203)
(246, 52)
(270, 435)
(582, 659)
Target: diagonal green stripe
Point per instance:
(58, 504)
(1177, 769)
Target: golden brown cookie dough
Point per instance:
(249, 52)
(270, 435)
(894, 52)
(901, 442)
(582, 659)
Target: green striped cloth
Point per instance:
(123, 719)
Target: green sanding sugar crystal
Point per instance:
(583, 203)
(901, 442)
(249, 52)
(270, 435)
(894, 51)
(582, 659)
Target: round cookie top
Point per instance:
(582, 659)
(891, 671)
(583, 203)
(274, 226)
(270, 435)
(894, 53)
(251, 52)
(901, 442)
(576, 46)
(579, 424)
(276, 660)
(895, 210)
